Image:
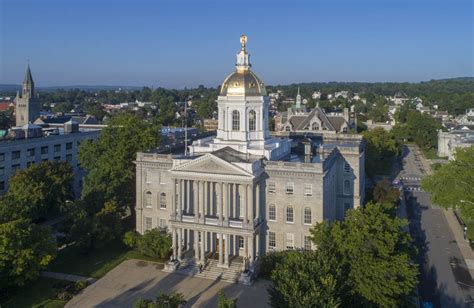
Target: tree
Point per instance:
(154, 244)
(305, 279)
(376, 256)
(39, 191)
(89, 229)
(25, 250)
(384, 193)
(451, 185)
(381, 147)
(173, 300)
(109, 160)
(224, 302)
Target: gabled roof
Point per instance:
(337, 122)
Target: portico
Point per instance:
(216, 206)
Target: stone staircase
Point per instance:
(211, 271)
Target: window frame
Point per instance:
(162, 201)
(271, 187)
(252, 120)
(148, 202)
(305, 216)
(290, 188)
(270, 212)
(290, 210)
(235, 120)
(308, 189)
(305, 246)
(287, 241)
(271, 240)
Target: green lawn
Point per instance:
(39, 293)
(430, 154)
(97, 262)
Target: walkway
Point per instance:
(68, 277)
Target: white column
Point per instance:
(206, 203)
(202, 252)
(188, 239)
(251, 250)
(221, 250)
(200, 198)
(173, 238)
(195, 198)
(225, 203)
(183, 197)
(196, 245)
(211, 199)
(247, 204)
(180, 197)
(180, 243)
(257, 201)
(221, 201)
(250, 203)
(227, 244)
(173, 199)
(188, 196)
(234, 202)
(246, 253)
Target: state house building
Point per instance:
(242, 193)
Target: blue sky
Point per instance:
(187, 43)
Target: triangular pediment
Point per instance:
(211, 164)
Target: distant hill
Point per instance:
(15, 87)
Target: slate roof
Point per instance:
(233, 156)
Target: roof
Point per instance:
(337, 122)
(28, 78)
(233, 156)
(243, 83)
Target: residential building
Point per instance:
(449, 141)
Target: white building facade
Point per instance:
(243, 193)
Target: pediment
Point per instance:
(211, 164)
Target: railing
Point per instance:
(210, 221)
(187, 218)
(235, 223)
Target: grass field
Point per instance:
(95, 263)
(39, 293)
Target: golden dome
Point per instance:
(243, 83)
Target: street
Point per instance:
(445, 280)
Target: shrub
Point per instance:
(64, 296)
(155, 244)
(269, 261)
(225, 302)
(79, 286)
(130, 239)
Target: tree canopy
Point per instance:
(109, 160)
(25, 250)
(452, 184)
(381, 147)
(365, 260)
(38, 192)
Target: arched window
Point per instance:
(252, 120)
(307, 216)
(162, 201)
(148, 199)
(289, 214)
(235, 120)
(315, 126)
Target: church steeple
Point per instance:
(298, 99)
(28, 84)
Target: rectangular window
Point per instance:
(307, 216)
(148, 199)
(15, 168)
(148, 223)
(162, 223)
(271, 187)
(289, 214)
(16, 155)
(2, 171)
(347, 187)
(69, 158)
(2, 156)
(57, 148)
(272, 212)
(241, 242)
(57, 158)
(308, 189)
(44, 150)
(69, 146)
(290, 241)
(307, 243)
(31, 152)
(162, 201)
(271, 239)
(2, 185)
(289, 188)
(147, 177)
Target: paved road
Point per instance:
(445, 279)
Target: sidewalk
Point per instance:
(456, 228)
(68, 277)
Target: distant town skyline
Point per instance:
(178, 44)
